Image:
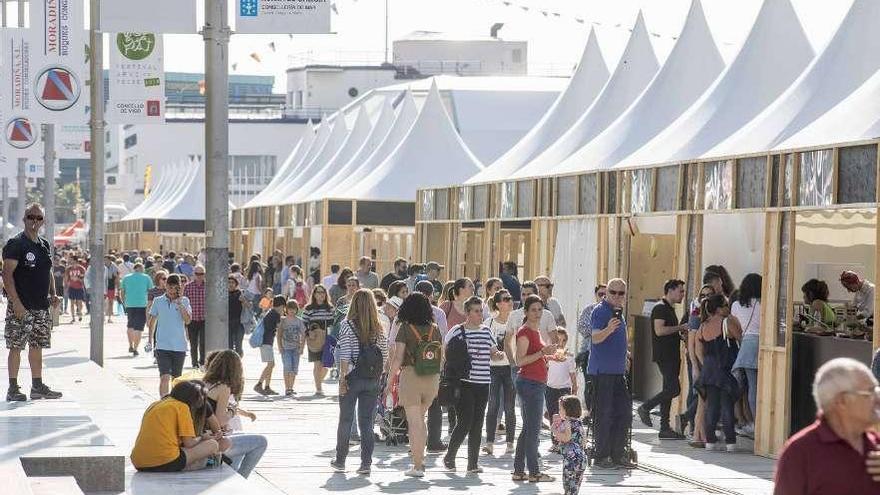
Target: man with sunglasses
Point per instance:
(195, 329)
(30, 288)
(586, 331)
(545, 292)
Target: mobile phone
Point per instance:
(618, 313)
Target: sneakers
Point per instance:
(510, 448)
(625, 463)
(415, 473)
(364, 470)
(488, 448)
(476, 470)
(711, 446)
(541, 478)
(605, 463)
(731, 447)
(337, 466)
(435, 449)
(135, 352)
(258, 388)
(449, 464)
(43, 392)
(645, 416)
(269, 391)
(14, 395)
(670, 434)
(289, 393)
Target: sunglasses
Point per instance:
(34, 218)
(617, 292)
(199, 274)
(507, 298)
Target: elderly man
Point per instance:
(829, 456)
(863, 292)
(195, 328)
(365, 274)
(545, 292)
(612, 405)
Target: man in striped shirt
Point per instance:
(471, 408)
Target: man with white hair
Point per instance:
(829, 456)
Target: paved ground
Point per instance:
(301, 434)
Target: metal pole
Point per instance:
(386, 31)
(4, 195)
(216, 35)
(49, 180)
(21, 13)
(96, 210)
(21, 185)
(3, 13)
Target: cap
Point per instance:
(433, 265)
(395, 301)
(850, 278)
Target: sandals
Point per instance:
(541, 478)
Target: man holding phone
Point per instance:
(612, 404)
(169, 315)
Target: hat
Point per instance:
(433, 265)
(396, 302)
(850, 278)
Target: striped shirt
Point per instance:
(322, 315)
(480, 344)
(349, 345)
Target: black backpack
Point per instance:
(458, 359)
(370, 362)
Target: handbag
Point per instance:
(248, 320)
(256, 338)
(315, 338)
(449, 392)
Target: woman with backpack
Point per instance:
(296, 287)
(462, 290)
(419, 351)
(362, 351)
(318, 317)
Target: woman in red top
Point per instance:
(530, 384)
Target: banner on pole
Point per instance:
(137, 79)
(159, 16)
(73, 141)
(282, 16)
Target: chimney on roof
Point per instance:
(493, 31)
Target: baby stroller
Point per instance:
(392, 418)
(589, 424)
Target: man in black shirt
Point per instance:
(30, 287)
(666, 347)
(401, 270)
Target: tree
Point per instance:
(68, 201)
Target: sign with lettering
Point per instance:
(137, 79)
(282, 16)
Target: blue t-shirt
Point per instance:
(609, 356)
(136, 285)
(186, 269)
(169, 324)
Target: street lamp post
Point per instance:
(96, 210)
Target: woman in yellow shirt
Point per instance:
(167, 441)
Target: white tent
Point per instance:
(169, 178)
(179, 197)
(589, 77)
(162, 176)
(317, 186)
(690, 69)
(636, 68)
(775, 52)
(844, 65)
(190, 203)
(293, 160)
(431, 154)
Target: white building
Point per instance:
(316, 90)
(430, 53)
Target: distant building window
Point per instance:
(353, 92)
(517, 56)
(111, 180)
(131, 141)
(299, 99)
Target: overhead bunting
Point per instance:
(161, 16)
(137, 79)
(282, 16)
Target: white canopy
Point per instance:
(586, 83)
(773, 55)
(293, 160)
(636, 68)
(179, 194)
(690, 69)
(431, 154)
(844, 65)
(162, 176)
(190, 203)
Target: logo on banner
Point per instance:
(20, 133)
(153, 108)
(57, 89)
(136, 46)
(249, 8)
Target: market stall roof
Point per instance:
(293, 159)
(167, 178)
(189, 203)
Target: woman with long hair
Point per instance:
(696, 413)
(446, 293)
(224, 381)
(816, 298)
(747, 309)
(501, 305)
(255, 282)
(462, 290)
(339, 288)
(399, 289)
(418, 340)
(727, 285)
(318, 317)
(362, 352)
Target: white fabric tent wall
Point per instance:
(637, 67)
(574, 272)
(188, 173)
(290, 163)
(317, 146)
(847, 61)
(189, 202)
(735, 241)
(377, 136)
(177, 175)
(289, 190)
(775, 52)
(587, 81)
(692, 66)
(163, 176)
(431, 154)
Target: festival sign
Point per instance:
(137, 79)
(282, 16)
(160, 16)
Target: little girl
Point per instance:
(569, 432)
(561, 378)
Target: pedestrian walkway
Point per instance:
(302, 432)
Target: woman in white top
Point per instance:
(747, 309)
(255, 282)
(501, 390)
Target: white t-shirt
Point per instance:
(749, 318)
(559, 372)
(499, 330)
(555, 308)
(547, 324)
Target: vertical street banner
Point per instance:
(159, 16)
(137, 79)
(20, 131)
(282, 16)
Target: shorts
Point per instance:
(267, 354)
(35, 329)
(290, 360)
(110, 294)
(174, 466)
(417, 390)
(170, 362)
(315, 357)
(76, 294)
(137, 318)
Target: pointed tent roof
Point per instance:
(293, 172)
(180, 178)
(844, 65)
(377, 136)
(190, 202)
(636, 68)
(585, 84)
(293, 159)
(406, 116)
(165, 176)
(431, 146)
(335, 137)
(775, 52)
(690, 69)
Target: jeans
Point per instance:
(613, 415)
(501, 391)
(691, 411)
(363, 393)
(196, 333)
(531, 399)
(236, 337)
(470, 413)
(246, 451)
(435, 425)
(752, 379)
(669, 369)
(583, 359)
(719, 404)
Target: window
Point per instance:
(642, 184)
(667, 189)
(428, 205)
(751, 182)
(814, 187)
(857, 174)
(299, 99)
(516, 55)
(465, 202)
(566, 200)
(441, 204)
(481, 202)
(589, 194)
(131, 141)
(525, 198)
(508, 199)
(718, 185)
(111, 180)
